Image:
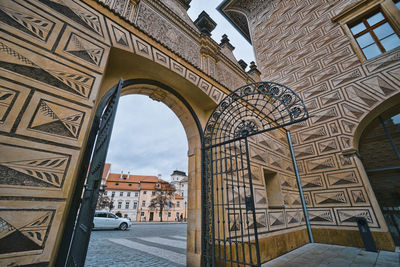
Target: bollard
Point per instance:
(366, 235)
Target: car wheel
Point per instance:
(123, 226)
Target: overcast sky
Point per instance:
(148, 138)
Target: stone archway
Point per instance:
(191, 124)
(379, 146)
(190, 104)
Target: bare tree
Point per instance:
(103, 202)
(163, 198)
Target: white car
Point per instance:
(104, 219)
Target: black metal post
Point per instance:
(303, 203)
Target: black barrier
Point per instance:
(366, 235)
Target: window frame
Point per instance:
(355, 13)
(370, 29)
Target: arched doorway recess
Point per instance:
(379, 148)
(230, 221)
(96, 151)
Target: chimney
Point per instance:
(120, 177)
(242, 64)
(225, 43)
(129, 173)
(254, 72)
(205, 24)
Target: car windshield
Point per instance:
(110, 215)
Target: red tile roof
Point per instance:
(177, 196)
(106, 170)
(131, 182)
(131, 178)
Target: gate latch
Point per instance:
(249, 203)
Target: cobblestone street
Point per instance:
(144, 244)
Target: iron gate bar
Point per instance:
(303, 202)
(252, 109)
(83, 171)
(83, 227)
(251, 188)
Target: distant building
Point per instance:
(179, 180)
(132, 195)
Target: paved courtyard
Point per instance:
(145, 244)
(156, 244)
(322, 255)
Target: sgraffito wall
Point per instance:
(300, 45)
(53, 54)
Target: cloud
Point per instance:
(147, 138)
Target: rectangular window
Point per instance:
(144, 203)
(119, 205)
(178, 204)
(127, 205)
(121, 194)
(136, 194)
(128, 194)
(142, 213)
(153, 193)
(144, 192)
(134, 205)
(374, 34)
(112, 194)
(159, 214)
(177, 215)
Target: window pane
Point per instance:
(371, 51)
(383, 31)
(365, 40)
(358, 28)
(391, 42)
(375, 19)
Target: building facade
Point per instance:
(59, 58)
(179, 180)
(132, 196)
(348, 151)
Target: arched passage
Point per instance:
(379, 146)
(187, 101)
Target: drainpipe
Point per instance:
(139, 210)
(303, 203)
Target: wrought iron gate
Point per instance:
(74, 253)
(229, 220)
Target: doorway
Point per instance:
(151, 216)
(379, 151)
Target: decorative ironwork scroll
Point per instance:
(229, 219)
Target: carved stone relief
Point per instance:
(158, 27)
